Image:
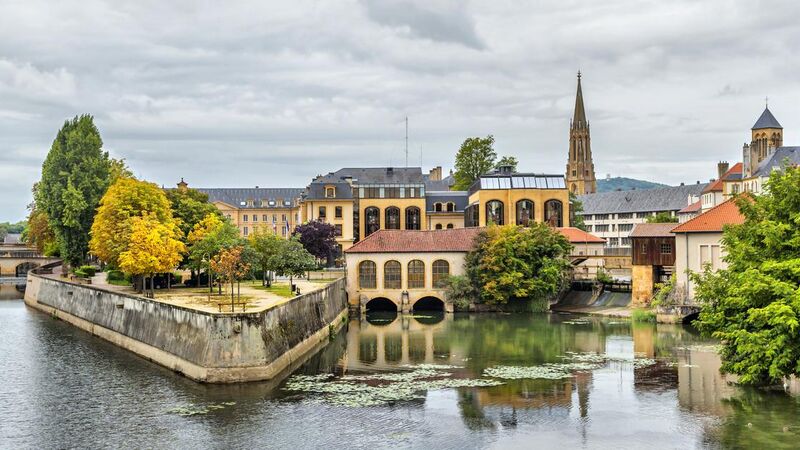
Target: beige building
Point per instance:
(698, 243)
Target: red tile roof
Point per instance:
(712, 220)
(694, 207)
(717, 185)
(575, 236)
(448, 240)
(652, 230)
(409, 241)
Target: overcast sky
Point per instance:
(271, 95)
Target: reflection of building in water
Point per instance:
(403, 341)
(701, 388)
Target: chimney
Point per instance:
(722, 167)
(505, 169)
(435, 174)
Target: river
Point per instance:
(587, 383)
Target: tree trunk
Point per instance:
(238, 290)
(210, 276)
(231, 294)
(169, 281)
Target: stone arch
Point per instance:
(22, 269)
(380, 304)
(428, 303)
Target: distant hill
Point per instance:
(625, 184)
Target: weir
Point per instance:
(206, 347)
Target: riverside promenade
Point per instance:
(203, 345)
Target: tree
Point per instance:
(266, 246)
(575, 210)
(38, 233)
(118, 169)
(292, 259)
(475, 157)
(126, 199)
(753, 305)
(509, 161)
(75, 175)
(518, 263)
(662, 217)
(318, 238)
(231, 267)
(189, 207)
(153, 247)
(207, 239)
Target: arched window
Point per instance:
(367, 275)
(416, 274)
(438, 226)
(441, 271)
(392, 278)
(392, 218)
(525, 213)
(412, 218)
(451, 207)
(553, 213)
(373, 220)
(437, 207)
(494, 212)
(449, 226)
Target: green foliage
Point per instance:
(266, 247)
(7, 228)
(475, 157)
(603, 277)
(575, 210)
(662, 217)
(522, 263)
(115, 275)
(664, 292)
(292, 259)
(643, 315)
(753, 306)
(189, 207)
(75, 175)
(208, 238)
(88, 270)
(461, 292)
(81, 274)
(510, 161)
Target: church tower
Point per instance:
(580, 168)
(766, 136)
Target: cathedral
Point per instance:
(580, 168)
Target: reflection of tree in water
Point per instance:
(758, 419)
(472, 411)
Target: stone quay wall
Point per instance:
(206, 347)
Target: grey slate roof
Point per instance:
(767, 120)
(316, 190)
(460, 198)
(439, 185)
(375, 175)
(777, 158)
(673, 198)
(261, 197)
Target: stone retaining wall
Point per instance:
(208, 347)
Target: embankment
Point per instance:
(207, 347)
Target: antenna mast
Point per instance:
(406, 141)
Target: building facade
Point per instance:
(652, 259)
(276, 210)
(580, 167)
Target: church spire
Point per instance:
(579, 119)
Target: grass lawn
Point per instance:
(118, 282)
(277, 289)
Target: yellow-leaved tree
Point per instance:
(154, 247)
(126, 199)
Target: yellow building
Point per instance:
(505, 197)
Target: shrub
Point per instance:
(461, 292)
(80, 273)
(115, 275)
(88, 270)
(643, 315)
(603, 277)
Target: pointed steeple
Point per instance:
(579, 119)
(767, 120)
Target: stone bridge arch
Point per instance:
(22, 269)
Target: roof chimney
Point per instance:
(505, 169)
(722, 167)
(435, 174)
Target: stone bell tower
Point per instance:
(580, 168)
(766, 136)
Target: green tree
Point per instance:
(575, 210)
(510, 161)
(125, 199)
(75, 175)
(266, 245)
(207, 239)
(461, 292)
(662, 217)
(753, 305)
(518, 263)
(189, 207)
(475, 157)
(292, 259)
(231, 266)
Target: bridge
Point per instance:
(17, 259)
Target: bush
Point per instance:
(461, 292)
(177, 278)
(115, 275)
(80, 273)
(643, 315)
(90, 271)
(603, 277)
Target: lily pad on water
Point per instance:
(198, 410)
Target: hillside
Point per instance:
(625, 184)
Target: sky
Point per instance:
(239, 94)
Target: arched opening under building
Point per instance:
(23, 269)
(381, 304)
(428, 304)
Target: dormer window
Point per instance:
(249, 202)
(271, 203)
(330, 192)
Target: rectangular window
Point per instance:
(283, 231)
(283, 217)
(255, 217)
(666, 249)
(625, 227)
(245, 231)
(338, 212)
(601, 228)
(601, 217)
(274, 218)
(322, 212)
(330, 192)
(625, 216)
(244, 218)
(644, 248)
(264, 217)
(338, 230)
(625, 242)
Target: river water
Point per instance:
(607, 383)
